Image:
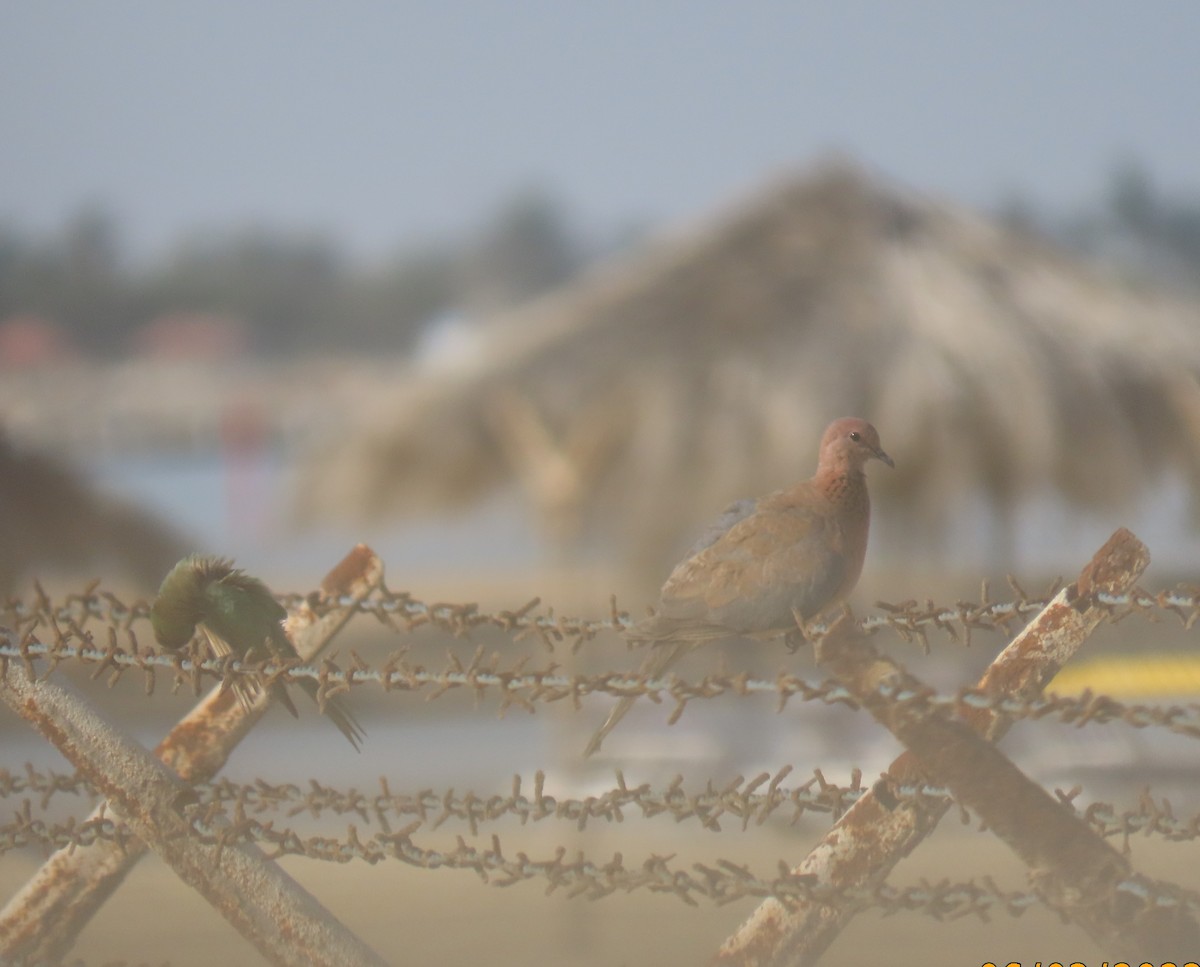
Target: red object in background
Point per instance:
(28, 341)
(192, 336)
(245, 447)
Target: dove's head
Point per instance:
(849, 443)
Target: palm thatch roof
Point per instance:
(643, 396)
(53, 522)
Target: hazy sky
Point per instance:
(379, 121)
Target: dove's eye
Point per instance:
(855, 436)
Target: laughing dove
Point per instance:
(767, 562)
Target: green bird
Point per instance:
(236, 614)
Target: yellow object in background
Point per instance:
(1144, 676)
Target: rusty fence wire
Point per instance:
(739, 803)
(951, 766)
(401, 611)
(517, 685)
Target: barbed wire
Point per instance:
(45, 784)
(748, 801)
(720, 881)
(523, 688)
(739, 798)
(1152, 817)
(402, 611)
(97, 631)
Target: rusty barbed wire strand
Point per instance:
(26, 829)
(739, 799)
(720, 881)
(523, 688)
(45, 784)
(401, 611)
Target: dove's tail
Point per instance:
(662, 656)
(337, 713)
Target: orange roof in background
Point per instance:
(192, 335)
(28, 340)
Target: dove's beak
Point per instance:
(884, 457)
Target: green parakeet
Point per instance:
(236, 614)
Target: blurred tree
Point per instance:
(293, 292)
(287, 288)
(1168, 228)
(94, 293)
(390, 305)
(13, 256)
(77, 279)
(1018, 212)
(1131, 199)
(528, 247)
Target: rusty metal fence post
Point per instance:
(877, 832)
(1072, 867)
(42, 922)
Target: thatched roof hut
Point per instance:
(644, 395)
(53, 523)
